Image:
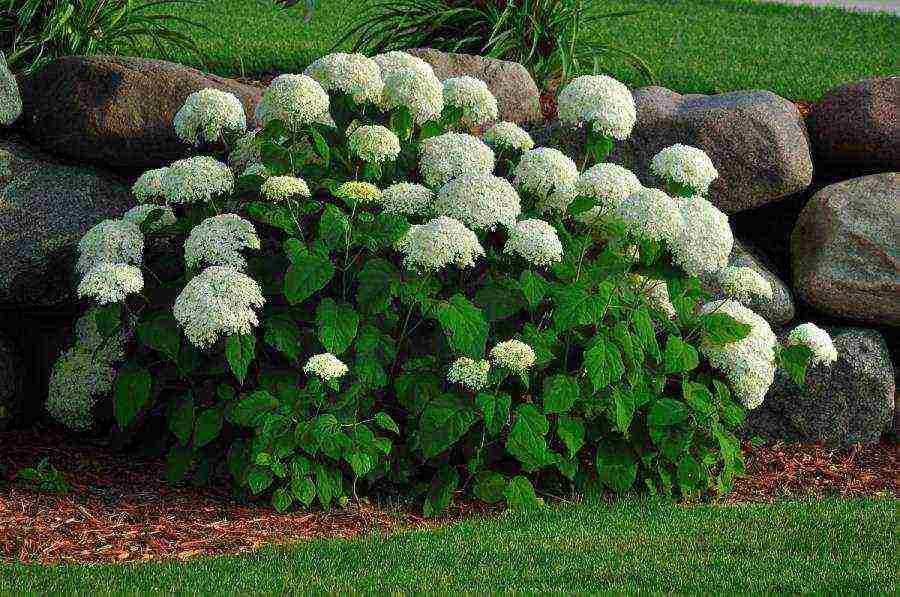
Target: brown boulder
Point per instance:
(517, 94)
(116, 111)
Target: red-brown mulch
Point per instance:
(120, 509)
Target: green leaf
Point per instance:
(306, 276)
(571, 431)
(581, 205)
(132, 394)
(181, 419)
(603, 362)
(643, 329)
(722, 328)
(178, 462)
(499, 299)
(679, 356)
(534, 287)
(526, 439)
(690, 474)
(108, 319)
(376, 281)
(164, 339)
(795, 360)
(624, 401)
(616, 466)
(699, 398)
(329, 484)
(320, 144)
(259, 479)
(334, 226)
(337, 325)
(489, 486)
(360, 462)
(240, 350)
(574, 307)
(495, 410)
(304, 490)
(520, 494)
(560, 394)
(444, 420)
(282, 499)
(209, 425)
(402, 123)
(464, 325)
(667, 412)
(440, 495)
(249, 410)
(385, 421)
(282, 335)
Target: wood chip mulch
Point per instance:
(120, 509)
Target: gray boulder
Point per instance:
(849, 402)
(517, 94)
(10, 382)
(845, 250)
(858, 125)
(45, 208)
(10, 99)
(116, 111)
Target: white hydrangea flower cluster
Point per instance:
(111, 282)
(480, 201)
(245, 152)
(374, 144)
(508, 135)
(472, 96)
(705, 241)
(447, 156)
(196, 179)
(396, 60)
(325, 366)
(608, 185)
(282, 188)
(418, 91)
(816, 339)
(219, 302)
(219, 240)
(149, 185)
(469, 373)
(513, 355)
(685, 165)
(748, 364)
(744, 284)
(354, 74)
(653, 215)
(295, 100)
(363, 192)
(208, 116)
(139, 214)
(656, 291)
(544, 170)
(5, 165)
(438, 243)
(600, 100)
(11, 98)
(110, 241)
(408, 199)
(536, 241)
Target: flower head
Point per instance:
(395, 60)
(453, 154)
(705, 242)
(744, 284)
(438, 243)
(472, 96)
(374, 144)
(508, 135)
(600, 100)
(686, 166)
(480, 201)
(10, 98)
(282, 188)
(748, 364)
(79, 377)
(407, 199)
(219, 240)
(469, 373)
(513, 355)
(196, 179)
(656, 291)
(544, 170)
(140, 213)
(220, 301)
(325, 366)
(149, 186)
(536, 241)
(421, 93)
(353, 74)
(364, 192)
(608, 185)
(816, 339)
(652, 214)
(208, 115)
(110, 241)
(295, 100)
(245, 151)
(110, 282)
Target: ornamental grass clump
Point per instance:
(362, 296)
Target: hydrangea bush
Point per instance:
(362, 292)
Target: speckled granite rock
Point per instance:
(845, 250)
(10, 382)
(45, 208)
(10, 100)
(779, 310)
(517, 94)
(849, 402)
(858, 125)
(116, 111)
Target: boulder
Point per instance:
(517, 94)
(10, 382)
(779, 310)
(845, 250)
(851, 401)
(45, 207)
(116, 111)
(10, 99)
(858, 125)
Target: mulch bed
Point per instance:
(120, 509)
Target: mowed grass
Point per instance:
(632, 545)
(693, 46)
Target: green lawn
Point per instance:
(634, 545)
(697, 46)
